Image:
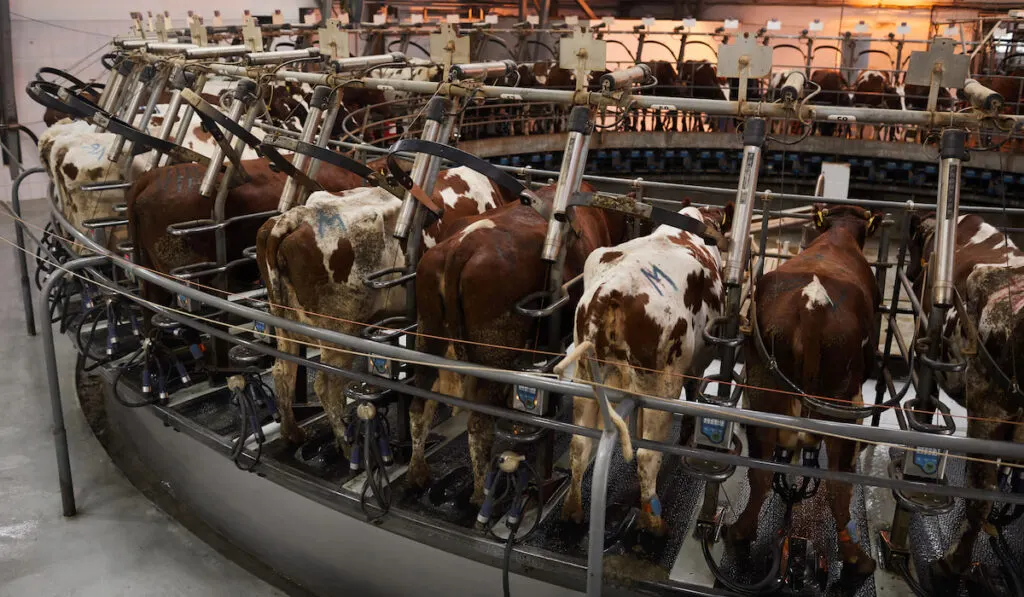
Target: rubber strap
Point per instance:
(269, 148)
(657, 215)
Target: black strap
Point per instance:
(87, 109)
(207, 112)
(447, 152)
(320, 153)
(657, 215)
(269, 148)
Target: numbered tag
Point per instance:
(774, 25)
(842, 118)
(277, 18)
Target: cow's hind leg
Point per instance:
(285, 373)
(857, 564)
(760, 445)
(333, 396)
(980, 475)
(584, 413)
(656, 425)
(481, 434)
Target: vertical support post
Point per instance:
(890, 319)
(186, 118)
(20, 252)
(244, 87)
(177, 80)
(318, 103)
(599, 482)
(157, 89)
(951, 156)
(326, 128)
(131, 108)
(753, 140)
(9, 105)
(60, 434)
(255, 108)
(881, 276)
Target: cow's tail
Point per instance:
(612, 324)
(268, 241)
(451, 293)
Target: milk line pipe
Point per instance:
(177, 81)
(981, 209)
(1005, 450)
(186, 118)
(245, 92)
(565, 427)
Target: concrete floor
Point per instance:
(120, 543)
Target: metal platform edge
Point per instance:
(314, 534)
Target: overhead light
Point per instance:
(903, 29)
(861, 27)
(689, 22)
(732, 23)
(816, 25)
(773, 25)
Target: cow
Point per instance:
(644, 308)
(988, 273)
(816, 313)
(831, 90)
(314, 258)
(700, 81)
(915, 97)
(873, 89)
(466, 290)
(668, 84)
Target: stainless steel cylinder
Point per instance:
(753, 139)
(168, 48)
(574, 162)
(422, 165)
(256, 108)
(111, 89)
(946, 216)
(159, 83)
(199, 53)
(793, 84)
(217, 158)
(256, 58)
(361, 62)
(626, 77)
(326, 127)
(173, 107)
(186, 118)
(321, 96)
(132, 108)
(481, 70)
(982, 97)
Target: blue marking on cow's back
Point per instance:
(326, 220)
(655, 276)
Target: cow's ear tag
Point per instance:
(819, 219)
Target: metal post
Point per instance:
(317, 105)
(599, 482)
(574, 162)
(255, 108)
(154, 95)
(951, 156)
(890, 318)
(177, 82)
(245, 87)
(60, 434)
(881, 275)
(9, 106)
(186, 118)
(147, 74)
(436, 113)
(326, 129)
(20, 253)
(739, 245)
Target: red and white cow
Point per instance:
(644, 308)
(315, 257)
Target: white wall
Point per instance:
(70, 31)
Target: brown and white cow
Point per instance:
(988, 273)
(467, 287)
(816, 313)
(644, 308)
(873, 89)
(831, 90)
(315, 257)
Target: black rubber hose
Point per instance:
(768, 584)
(507, 562)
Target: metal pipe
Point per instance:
(624, 78)
(952, 154)
(186, 118)
(154, 96)
(197, 53)
(326, 128)
(753, 139)
(1004, 450)
(220, 202)
(481, 70)
(113, 79)
(260, 58)
(117, 84)
(436, 113)
(982, 97)
(60, 434)
(145, 77)
(244, 89)
(176, 78)
(20, 252)
(574, 162)
(599, 494)
(168, 48)
(317, 104)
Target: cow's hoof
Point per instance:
(944, 581)
(649, 543)
(418, 475)
(854, 574)
(572, 511)
(653, 525)
(295, 436)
